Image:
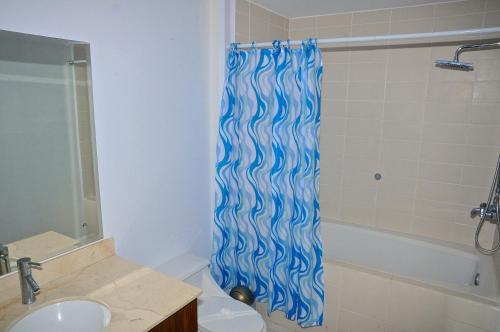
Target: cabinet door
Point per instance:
(184, 320)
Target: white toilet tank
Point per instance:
(194, 271)
(183, 267)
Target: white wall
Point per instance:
(150, 69)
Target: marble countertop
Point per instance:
(138, 297)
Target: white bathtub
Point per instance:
(442, 265)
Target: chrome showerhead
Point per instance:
(453, 64)
(459, 65)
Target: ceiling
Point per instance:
(298, 8)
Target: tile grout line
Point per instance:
(381, 134)
(421, 133)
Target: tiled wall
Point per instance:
(254, 23)
(356, 301)
(433, 134)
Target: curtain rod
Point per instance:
(364, 39)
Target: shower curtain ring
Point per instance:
(234, 46)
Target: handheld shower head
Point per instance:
(453, 64)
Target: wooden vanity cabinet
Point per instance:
(184, 320)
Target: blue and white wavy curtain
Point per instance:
(267, 221)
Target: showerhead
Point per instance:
(459, 65)
(454, 64)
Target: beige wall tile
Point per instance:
(242, 6)
(371, 29)
(375, 16)
(412, 26)
(362, 128)
(433, 228)
(351, 321)
(243, 24)
(477, 176)
(241, 38)
(472, 313)
(451, 193)
(365, 109)
(492, 5)
(483, 135)
(334, 90)
(415, 307)
(336, 56)
(333, 126)
(480, 155)
(412, 13)
(446, 153)
(333, 107)
(445, 212)
(402, 72)
(333, 32)
(302, 23)
(401, 130)
(446, 113)
(456, 92)
(404, 111)
(460, 8)
(259, 13)
(276, 32)
(335, 73)
(401, 168)
(397, 149)
(367, 71)
(492, 19)
(486, 92)
(440, 172)
(334, 20)
(471, 21)
(484, 114)
(409, 54)
(445, 133)
(369, 91)
(361, 147)
(278, 20)
(405, 91)
(368, 55)
(302, 34)
(487, 69)
(393, 220)
(366, 294)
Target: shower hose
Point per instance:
(493, 202)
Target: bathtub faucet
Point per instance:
(489, 213)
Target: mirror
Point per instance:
(49, 196)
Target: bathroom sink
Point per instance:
(71, 315)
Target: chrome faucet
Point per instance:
(29, 287)
(489, 213)
(4, 260)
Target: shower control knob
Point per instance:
(480, 211)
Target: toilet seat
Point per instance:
(220, 314)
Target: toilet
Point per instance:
(217, 311)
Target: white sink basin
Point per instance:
(71, 315)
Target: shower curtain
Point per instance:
(267, 223)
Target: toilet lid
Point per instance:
(220, 314)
